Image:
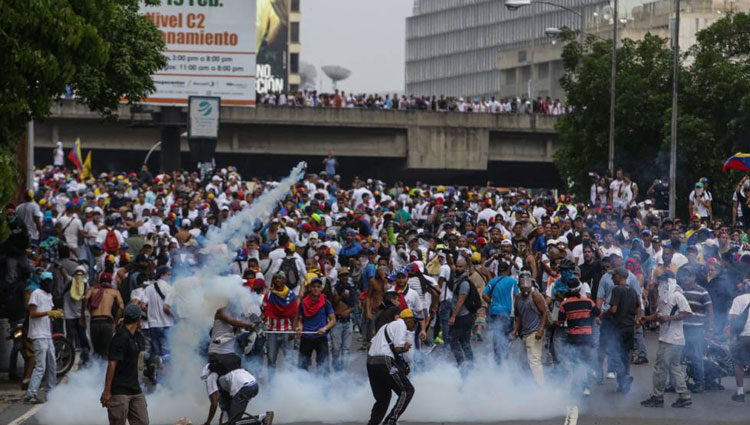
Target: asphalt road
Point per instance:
(603, 407)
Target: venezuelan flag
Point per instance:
(74, 155)
(738, 161)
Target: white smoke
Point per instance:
(484, 393)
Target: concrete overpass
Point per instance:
(418, 140)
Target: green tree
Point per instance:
(102, 49)
(643, 96)
(714, 109)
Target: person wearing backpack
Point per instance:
(465, 303)
(109, 238)
(498, 294)
(293, 268)
(159, 318)
(740, 326)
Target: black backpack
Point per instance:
(289, 268)
(472, 303)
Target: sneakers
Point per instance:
(438, 340)
(624, 388)
(682, 402)
(740, 398)
(640, 360)
(32, 399)
(611, 375)
(586, 392)
(654, 401)
(268, 420)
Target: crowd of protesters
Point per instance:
(480, 104)
(394, 269)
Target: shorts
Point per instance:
(741, 351)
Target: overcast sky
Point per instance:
(365, 36)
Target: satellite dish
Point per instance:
(336, 73)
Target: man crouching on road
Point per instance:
(122, 394)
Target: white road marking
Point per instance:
(572, 417)
(23, 418)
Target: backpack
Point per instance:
(472, 303)
(111, 245)
(737, 325)
(133, 281)
(289, 268)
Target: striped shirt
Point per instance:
(699, 300)
(579, 314)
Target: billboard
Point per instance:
(272, 38)
(210, 51)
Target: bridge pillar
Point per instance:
(452, 148)
(170, 138)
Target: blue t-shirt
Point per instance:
(503, 288)
(367, 273)
(320, 319)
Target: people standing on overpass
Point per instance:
(330, 163)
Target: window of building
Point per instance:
(294, 32)
(294, 63)
(521, 56)
(295, 6)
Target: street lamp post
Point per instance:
(675, 76)
(612, 92)
(517, 4)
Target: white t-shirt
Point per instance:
(697, 201)
(670, 296)
(72, 226)
(92, 229)
(738, 307)
(606, 252)
(157, 318)
(445, 293)
(39, 327)
(622, 194)
(396, 331)
(233, 381)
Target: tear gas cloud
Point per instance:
(484, 393)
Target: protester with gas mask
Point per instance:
(530, 321)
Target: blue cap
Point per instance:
(45, 276)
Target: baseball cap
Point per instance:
(406, 313)
(133, 312)
(506, 242)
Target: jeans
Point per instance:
(444, 315)
(461, 337)
(607, 346)
(320, 347)
(274, 344)
(621, 359)
(239, 402)
(45, 365)
(77, 333)
(578, 355)
(341, 340)
(500, 327)
(158, 341)
(668, 363)
(695, 344)
(640, 343)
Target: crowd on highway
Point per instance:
(483, 104)
(396, 269)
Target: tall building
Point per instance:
(482, 48)
(278, 45)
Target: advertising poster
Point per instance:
(272, 33)
(210, 48)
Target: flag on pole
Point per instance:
(74, 155)
(738, 161)
(86, 173)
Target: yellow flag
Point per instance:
(86, 173)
